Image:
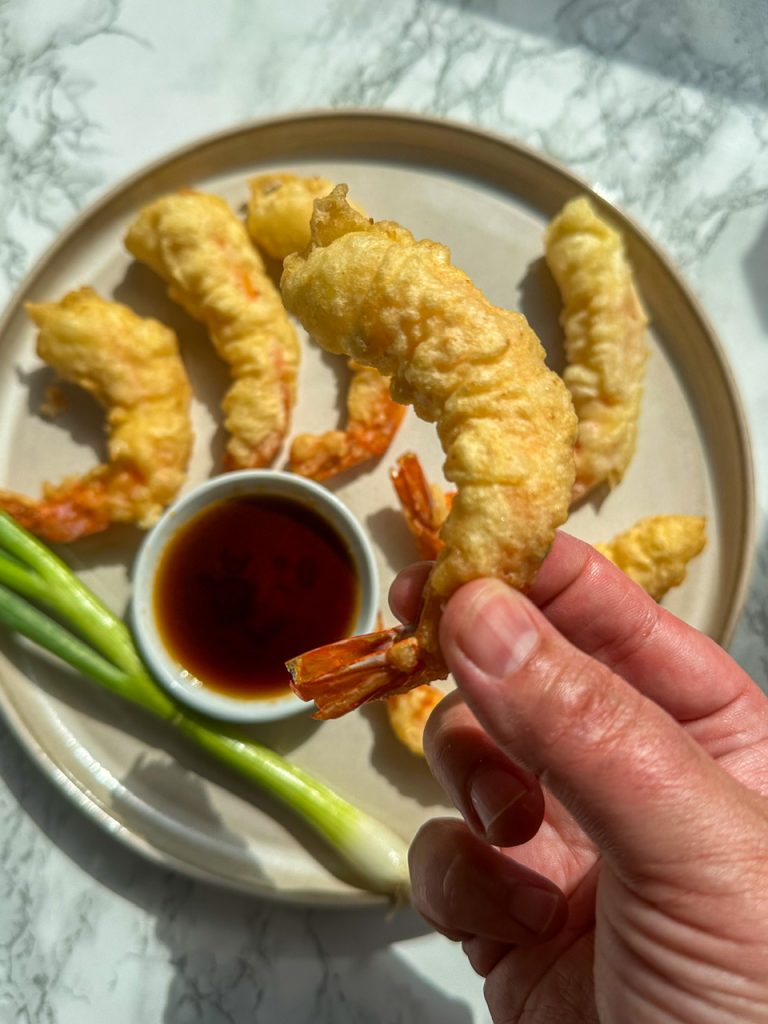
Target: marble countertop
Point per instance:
(662, 106)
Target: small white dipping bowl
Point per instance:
(176, 679)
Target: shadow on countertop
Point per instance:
(237, 959)
(233, 957)
(750, 643)
(756, 273)
(710, 45)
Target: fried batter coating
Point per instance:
(132, 367)
(279, 212)
(655, 551)
(605, 344)
(200, 249)
(408, 714)
(505, 422)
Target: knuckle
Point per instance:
(621, 648)
(432, 857)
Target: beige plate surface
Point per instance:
(486, 198)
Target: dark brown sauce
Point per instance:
(249, 583)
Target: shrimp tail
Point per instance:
(342, 676)
(66, 514)
(425, 507)
(372, 421)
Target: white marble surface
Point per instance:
(662, 105)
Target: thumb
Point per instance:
(635, 781)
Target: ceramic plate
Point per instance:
(488, 199)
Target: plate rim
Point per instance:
(79, 794)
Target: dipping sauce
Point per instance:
(249, 583)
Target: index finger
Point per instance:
(594, 605)
(603, 613)
(407, 589)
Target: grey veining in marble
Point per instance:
(50, 144)
(663, 106)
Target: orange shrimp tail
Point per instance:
(323, 455)
(65, 514)
(347, 674)
(422, 514)
(373, 436)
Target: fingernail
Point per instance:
(493, 792)
(497, 634)
(534, 908)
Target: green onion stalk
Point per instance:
(85, 634)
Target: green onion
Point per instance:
(85, 634)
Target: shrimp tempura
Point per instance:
(605, 344)
(200, 249)
(505, 422)
(279, 213)
(279, 210)
(655, 551)
(132, 367)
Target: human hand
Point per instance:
(611, 766)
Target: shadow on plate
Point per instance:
(540, 303)
(145, 293)
(183, 764)
(225, 950)
(79, 414)
(336, 367)
(286, 735)
(393, 537)
(406, 771)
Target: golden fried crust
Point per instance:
(132, 367)
(655, 551)
(408, 713)
(506, 422)
(201, 250)
(279, 211)
(605, 343)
